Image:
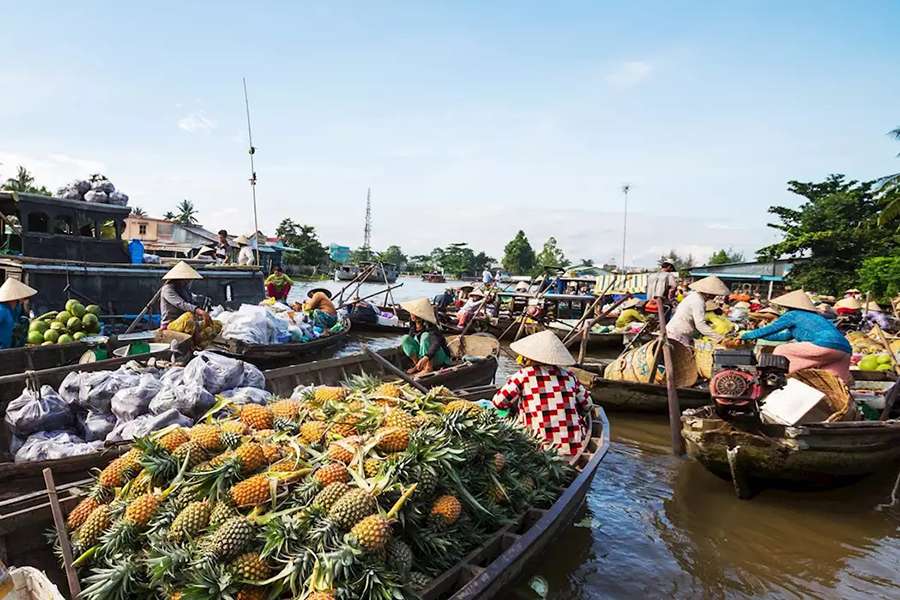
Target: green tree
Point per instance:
(420, 263)
(137, 211)
(881, 276)
(393, 255)
(457, 259)
(835, 230)
(682, 264)
(587, 262)
(24, 182)
(303, 238)
(361, 255)
(551, 255)
(481, 262)
(186, 214)
(724, 257)
(518, 255)
(169, 216)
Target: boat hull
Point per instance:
(627, 396)
(272, 355)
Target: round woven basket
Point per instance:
(636, 364)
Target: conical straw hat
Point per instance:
(241, 239)
(544, 347)
(182, 271)
(13, 289)
(630, 303)
(872, 306)
(796, 299)
(710, 285)
(421, 308)
(851, 303)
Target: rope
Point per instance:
(895, 496)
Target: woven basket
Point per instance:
(635, 365)
(477, 344)
(836, 393)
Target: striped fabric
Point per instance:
(630, 283)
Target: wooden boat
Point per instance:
(481, 575)
(628, 396)
(268, 355)
(815, 454)
(368, 326)
(433, 278)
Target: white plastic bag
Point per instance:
(97, 197)
(189, 399)
(214, 372)
(252, 377)
(248, 395)
(99, 387)
(71, 387)
(141, 426)
(132, 402)
(95, 426)
(29, 413)
(49, 445)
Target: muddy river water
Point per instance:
(657, 526)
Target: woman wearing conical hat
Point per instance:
(549, 399)
(875, 315)
(815, 343)
(689, 320)
(13, 296)
(425, 345)
(176, 298)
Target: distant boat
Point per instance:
(433, 278)
(382, 271)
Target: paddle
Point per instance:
(373, 294)
(393, 369)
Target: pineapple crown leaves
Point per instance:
(120, 581)
(221, 404)
(166, 562)
(212, 581)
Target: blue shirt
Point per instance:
(802, 326)
(8, 319)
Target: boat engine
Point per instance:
(739, 381)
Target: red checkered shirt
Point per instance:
(551, 403)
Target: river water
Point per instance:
(658, 526)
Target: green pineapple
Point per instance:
(230, 538)
(191, 521)
(331, 494)
(352, 507)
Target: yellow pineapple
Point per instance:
(208, 437)
(342, 451)
(252, 457)
(81, 512)
(446, 510)
(249, 566)
(175, 438)
(372, 533)
(400, 418)
(272, 452)
(257, 417)
(324, 595)
(285, 409)
(251, 492)
(312, 432)
(141, 509)
(462, 405)
(332, 472)
(325, 393)
(233, 427)
(345, 426)
(117, 473)
(94, 526)
(392, 439)
(251, 593)
(389, 390)
(371, 467)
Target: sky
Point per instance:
(468, 120)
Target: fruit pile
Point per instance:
(364, 492)
(203, 329)
(66, 326)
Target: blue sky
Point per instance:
(469, 120)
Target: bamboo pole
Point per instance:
(671, 390)
(144, 311)
(366, 297)
(398, 372)
(60, 524)
(593, 321)
(589, 310)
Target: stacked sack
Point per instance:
(92, 408)
(96, 188)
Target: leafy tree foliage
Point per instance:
(311, 252)
(169, 216)
(24, 182)
(723, 257)
(518, 255)
(835, 230)
(682, 264)
(393, 255)
(881, 276)
(137, 211)
(551, 255)
(185, 213)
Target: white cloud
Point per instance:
(196, 121)
(86, 165)
(52, 170)
(629, 74)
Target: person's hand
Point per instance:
(200, 313)
(422, 363)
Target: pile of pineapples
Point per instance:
(364, 492)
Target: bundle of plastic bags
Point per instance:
(96, 188)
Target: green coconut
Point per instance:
(73, 324)
(78, 335)
(56, 326)
(35, 337)
(64, 317)
(93, 309)
(51, 335)
(65, 339)
(90, 322)
(77, 309)
(48, 343)
(39, 326)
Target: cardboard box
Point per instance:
(795, 404)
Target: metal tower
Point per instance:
(367, 233)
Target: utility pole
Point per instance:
(625, 189)
(367, 232)
(252, 173)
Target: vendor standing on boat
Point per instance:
(689, 320)
(425, 345)
(549, 399)
(175, 297)
(13, 296)
(223, 248)
(278, 284)
(245, 254)
(324, 314)
(816, 342)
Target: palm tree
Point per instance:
(186, 213)
(24, 182)
(169, 216)
(137, 211)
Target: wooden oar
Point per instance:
(671, 390)
(366, 297)
(393, 369)
(589, 310)
(143, 312)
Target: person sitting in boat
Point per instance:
(630, 312)
(689, 320)
(468, 310)
(13, 297)
(444, 299)
(549, 399)
(424, 345)
(875, 315)
(817, 343)
(278, 284)
(324, 314)
(175, 297)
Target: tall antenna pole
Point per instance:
(625, 189)
(367, 233)
(252, 172)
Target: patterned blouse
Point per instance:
(552, 403)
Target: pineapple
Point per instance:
(312, 432)
(272, 453)
(81, 512)
(462, 405)
(141, 509)
(221, 512)
(284, 465)
(342, 451)
(389, 390)
(345, 426)
(325, 393)
(392, 439)
(175, 438)
(251, 593)
(250, 567)
(251, 492)
(208, 437)
(285, 409)
(251, 456)
(257, 417)
(399, 418)
(419, 580)
(93, 527)
(191, 521)
(235, 427)
(118, 472)
(399, 556)
(331, 494)
(332, 472)
(232, 537)
(446, 510)
(371, 467)
(372, 533)
(192, 452)
(326, 595)
(285, 425)
(352, 507)
(497, 494)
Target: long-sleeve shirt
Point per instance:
(628, 316)
(8, 319)
(173, 302)
(245, 256)
(690, 318)
(802, 326)
(551, 402)
(663, 284)
(438, 340)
